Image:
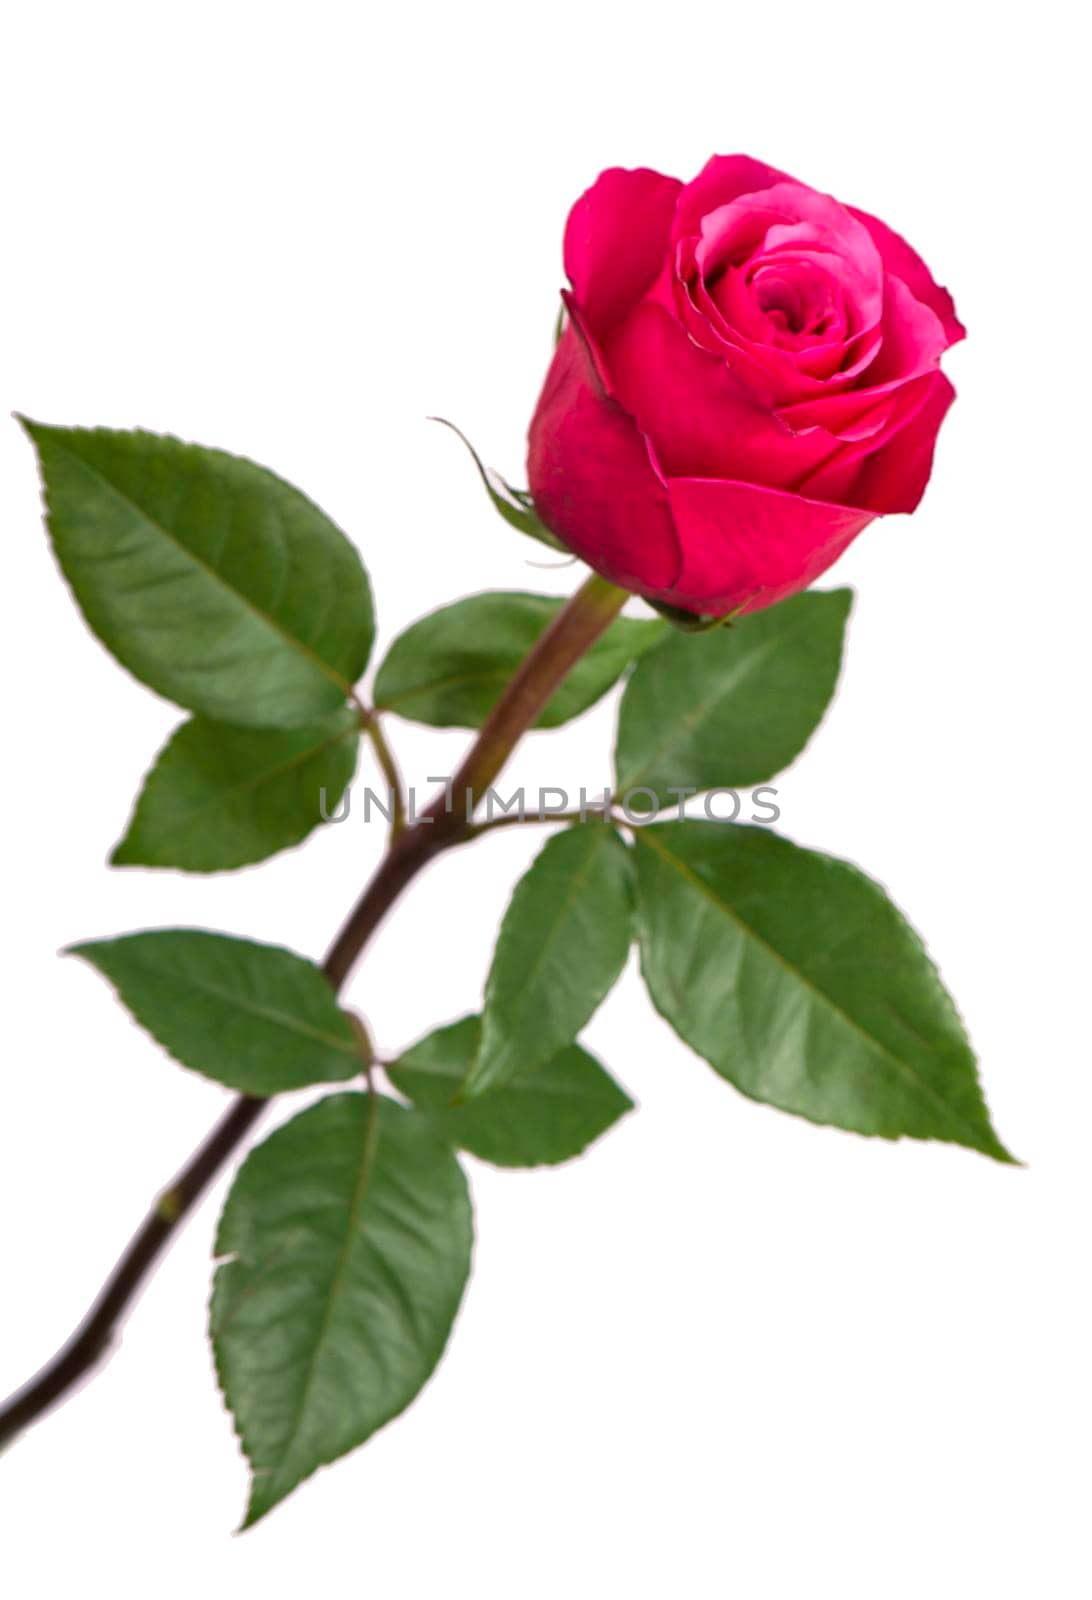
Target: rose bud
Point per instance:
(749, 374)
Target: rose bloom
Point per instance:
(748, 376)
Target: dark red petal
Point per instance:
(745, 547)
(592, 478)
(700, 419)
(894, 478)
(616, 240)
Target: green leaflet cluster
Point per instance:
(345, 1243)
(227, 591)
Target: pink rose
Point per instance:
(750, 373)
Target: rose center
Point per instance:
(795, 301)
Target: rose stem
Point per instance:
(446, 822)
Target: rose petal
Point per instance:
(846, 417)
(869, 471)
(699, 417)
(798, 220)
(722, 179)
(616, 239)
(905, 263)
(592, 479)
(779, 377)
(912, 344)
(745, 547)
(894, 478)
(913, 338)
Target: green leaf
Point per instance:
(514, 505)
(347, 1236)
(214, 582)
(798, 980)
(449, 668)
(562, 944)
(220, 797)
(253, 1016)
(533, 1121)
(731, 707)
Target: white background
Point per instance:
(729, 1354)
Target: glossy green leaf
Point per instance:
(539, 1120)
(514, 505)
(796, 977)
(221, 796)
(214, 582)
(449, 668)
(347, 1238)
(253, 1016)
(562, 944)
(733, 706)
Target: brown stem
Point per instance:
(446, 822)
(588, 614)
(95, 1334)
